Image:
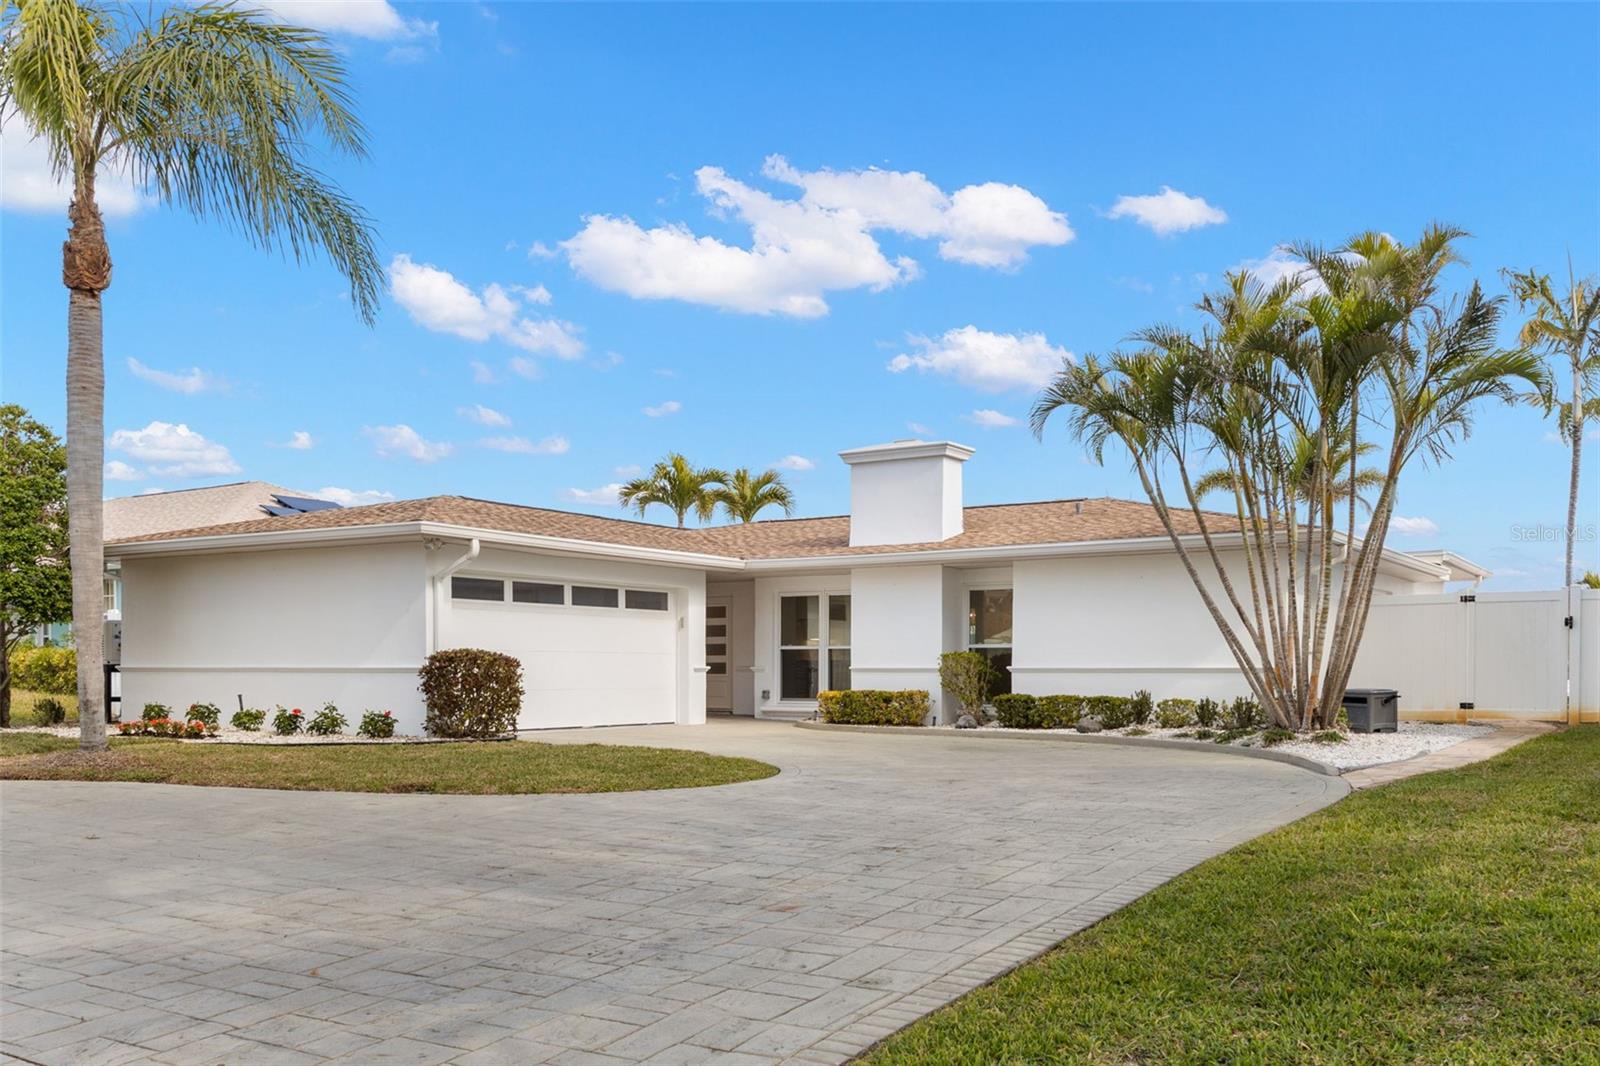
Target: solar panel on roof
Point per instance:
(304, 503)
(278, 512)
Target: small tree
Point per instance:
(967, 676)
(35, 578)
(677, 484)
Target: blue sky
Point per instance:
(615, 231)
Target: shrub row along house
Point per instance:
(620, 622)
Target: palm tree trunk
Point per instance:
(1577, 455)
(86, 271)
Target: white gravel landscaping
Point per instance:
(1356, 752)
(229, 735)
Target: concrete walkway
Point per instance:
(799, 919)
(1506, 736)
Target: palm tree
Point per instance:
(676, 483)
(1568, 326)
(743, 496)
(210, 109)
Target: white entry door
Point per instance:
(719, 692)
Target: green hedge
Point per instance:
(1114, 712)
(1021, 711)
(470, 692)
(52, 670)
(866, 706)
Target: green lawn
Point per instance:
(22, 707)
(1453, 917)
(512, 767)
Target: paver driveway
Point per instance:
(797, 918)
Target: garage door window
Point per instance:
(537, 592)
(487, 589)
(812, 656)
(644, 600)
(591, 596)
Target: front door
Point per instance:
(719, 694)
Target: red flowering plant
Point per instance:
(377, 724)
(287, 723)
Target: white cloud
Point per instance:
(802, 249)
(1168, 211)
(795, 462)
(1280, 264)
(300, 441)
(671, 407)
(483, 416)
(524, 367)
(172, 450)
(630, 470)
(537, 295)
(481, 374)
(524, 446)
(28, 184)
(403, 440)
(187, 382)
(374, 19)
(919, 429)
(989, 418)
(117, 470)
(541, 250)
(1413, 527)
(352, 497)
(604, 496)
(989, 362)
(437, 301)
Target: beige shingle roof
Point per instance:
(163, 512)
(1001, 525)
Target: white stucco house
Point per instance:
(623, 622)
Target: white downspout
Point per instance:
(438, 589)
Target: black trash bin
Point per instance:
(1372, 710)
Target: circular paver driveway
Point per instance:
(797, 918)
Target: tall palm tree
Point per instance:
(678, 484)
(210, 109)
(1565, 326)
(745, 495)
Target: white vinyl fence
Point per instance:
(1486, 654)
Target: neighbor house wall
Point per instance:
(297, 627)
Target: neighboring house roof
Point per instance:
(995, 526)
(158, 513)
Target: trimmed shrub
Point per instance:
(1142, 707)
(287, 723)
(867, 706)
(1175, 713)
(209, 713)
(470, 692)
(1207, 713)
(1245, 713)
(155, 712)
(49, 670)
(326, 722)
(377, 724)
(1016, 710)
(1114, 712)
(967, 676)
(249, 720)
(1060, 712)
(50, 710)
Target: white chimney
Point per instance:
(908, 492)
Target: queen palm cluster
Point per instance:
(682, 487)
(1283, 392)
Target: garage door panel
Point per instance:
(580, 667)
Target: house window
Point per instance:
(989, 633)
(812, 656)
(537, 592)
(590, 596)
(642, 600)
(488, 589)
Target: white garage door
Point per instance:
(591, 654)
